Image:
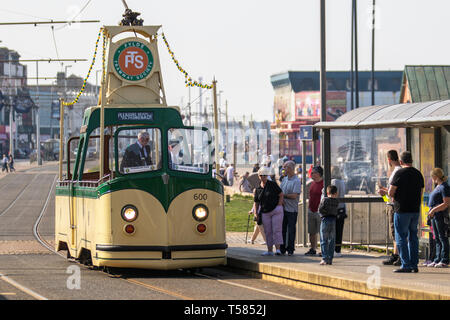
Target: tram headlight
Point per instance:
(129, 213)
(200, 212)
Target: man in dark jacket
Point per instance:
(137, 154)
(328, 211)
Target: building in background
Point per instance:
(14, 94)
(297, 101)
(47, 98)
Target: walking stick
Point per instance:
(248, 222)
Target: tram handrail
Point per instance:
(84, 183)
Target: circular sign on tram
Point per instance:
(133, 61)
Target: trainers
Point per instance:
(337, 254)
(391, 260)
(441, 265)
(278, 253)
(311, 252)
(323, 262)
(426, 263)
(267, 253)
(398, 262)
(432, 264)
(290, 253)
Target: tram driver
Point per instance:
(138, 153)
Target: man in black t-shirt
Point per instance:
(406, 190)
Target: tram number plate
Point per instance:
(200, 196)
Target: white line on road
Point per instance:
(22, 288)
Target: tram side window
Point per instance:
(139, 150)
(91, 167)
(189, 150)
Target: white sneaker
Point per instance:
(441, 265)
(267, 253)
(431, 265)
(337, 254)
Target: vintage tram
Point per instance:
(149, 200)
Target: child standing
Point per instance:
(328, 211)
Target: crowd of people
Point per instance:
(275, 211)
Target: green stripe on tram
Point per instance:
(175, 187)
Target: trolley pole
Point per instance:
(216, 127)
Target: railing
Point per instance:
(366, 223)
(84, 183)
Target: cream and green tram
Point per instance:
(157, 205)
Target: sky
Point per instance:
(239, 43)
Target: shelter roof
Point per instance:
(431, 113)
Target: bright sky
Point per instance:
(240, 42)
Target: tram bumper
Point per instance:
(160, 257)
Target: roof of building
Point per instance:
(427, 83)
(337, 80)
(431, 113)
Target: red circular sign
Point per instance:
(133, 61)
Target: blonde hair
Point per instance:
(438, 173)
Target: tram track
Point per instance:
(12, 203)
(126, 278)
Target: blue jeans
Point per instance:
(328, 238)
(406, 225)
(442, 245)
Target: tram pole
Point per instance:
(216, 127)
(61, 135)
(102, 129)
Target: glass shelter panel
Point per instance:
(139, 150)
(359, 157)
(189, 150)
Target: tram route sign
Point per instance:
(135, 116)
(133, 61)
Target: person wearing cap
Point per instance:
(268, 205)
(315, 194)
(438, 202)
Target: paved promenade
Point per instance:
(355, 275)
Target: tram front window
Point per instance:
(139, 150)
(189, 150)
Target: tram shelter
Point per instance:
(361, 138)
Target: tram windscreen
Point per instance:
(139, 150)
(189, 150)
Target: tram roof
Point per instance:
(427, 114)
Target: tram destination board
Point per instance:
(135, 116)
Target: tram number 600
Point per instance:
(200, 196)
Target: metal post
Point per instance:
(373, 52)
(351, 226)
(305, 210)
(356, 53)
(352, 106)
(216, 127)
(38, 121)
(369, 207)
(325, 145)
(61, 137)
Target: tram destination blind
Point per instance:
(135, 116)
